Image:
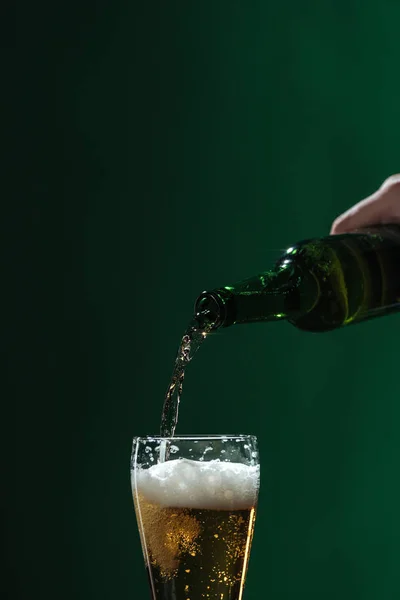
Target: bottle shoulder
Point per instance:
(322, 252)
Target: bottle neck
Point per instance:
(271, 296)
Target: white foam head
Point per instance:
(193, 484)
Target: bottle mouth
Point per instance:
(209, 310)
(215, 309)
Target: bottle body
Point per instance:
(319, 284)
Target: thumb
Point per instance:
(382, 207)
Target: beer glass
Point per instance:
(195, 499)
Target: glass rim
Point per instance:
(193, 437)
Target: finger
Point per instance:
(392, 182)
(366, 212)
(380, 208)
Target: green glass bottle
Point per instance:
(317, 285)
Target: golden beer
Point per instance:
(196, 522)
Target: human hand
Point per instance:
(383, 207)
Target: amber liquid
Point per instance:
(195, 554)
(190, 343)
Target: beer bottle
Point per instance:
(317, 285)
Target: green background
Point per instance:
(153, 150)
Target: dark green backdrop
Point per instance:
(153, 150)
